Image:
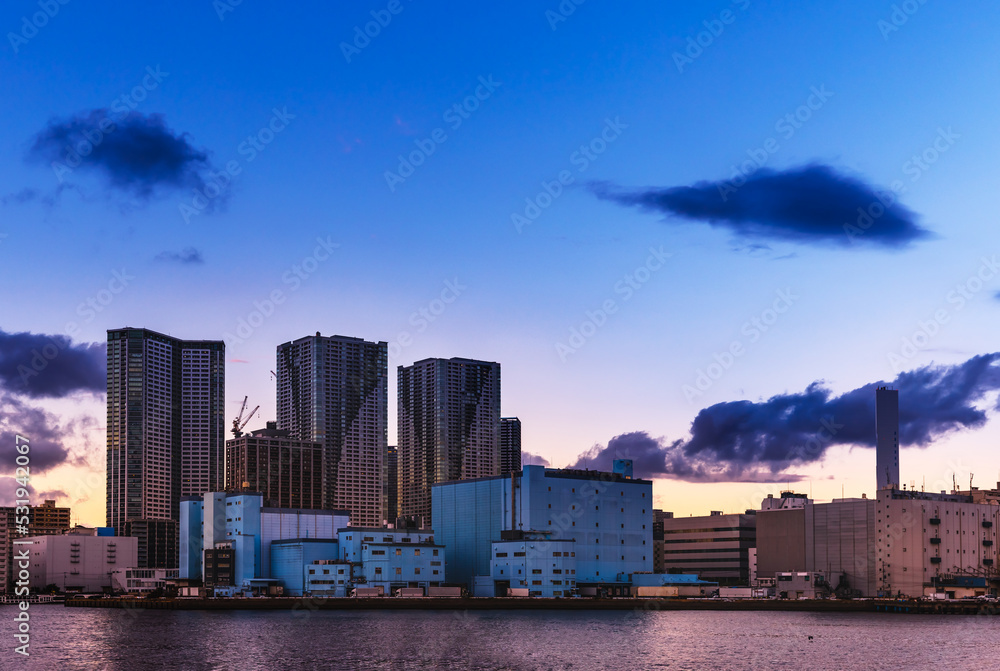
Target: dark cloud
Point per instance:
(40, 365)
(41, 428)
(137, 154)
(746, 441)
(810, 204)
(187, 256)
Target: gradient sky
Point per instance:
(556, 84)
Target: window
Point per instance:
(399, 552)
(435, 553)
(416, 552)
(399, 571)
(378, 570)
(416, 571)
(501, 554)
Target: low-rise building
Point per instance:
(715, 546)
(241, 521)
(536, 562)
(141, 580)
(393, 558)
(76, 562)
(608, 515)
(292, 558)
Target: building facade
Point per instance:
(510, 445)
(334, 391)
(835, 539)
(42, 520)
(448, 426)
(714, 546)
(534, 564)
(392, 559)
(165, 423)
(392, 468)
(78, 562)
(289, 473)
(935, 543)
(240, 522)
(608, 516)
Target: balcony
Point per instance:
(935, 520)
(987, 562)
(987, 542)
(987, 524)
(935, 560)
(935, 541)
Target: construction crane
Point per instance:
(241, 420)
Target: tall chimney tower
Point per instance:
(887, 437)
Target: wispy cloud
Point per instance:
(187, 256)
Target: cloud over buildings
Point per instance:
(747, 441)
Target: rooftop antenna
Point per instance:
(954, 483)
(970, 481)
(923, 483)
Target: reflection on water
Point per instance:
(77, 638)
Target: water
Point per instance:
(78, 638)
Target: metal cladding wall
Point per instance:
(467, 518)
(781, 541)
(289, 559)
(836, 539)
(844, 543)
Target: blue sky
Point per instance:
(555, 85)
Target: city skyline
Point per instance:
(603, 201)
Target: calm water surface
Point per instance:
(77, 638)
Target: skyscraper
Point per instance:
(334, 391)
(510, 445)
(165, 424)
(887, 437)
(449, 427)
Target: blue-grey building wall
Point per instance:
(609, 517)
(190, 546)
(289, 559)
(466, 517)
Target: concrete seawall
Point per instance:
(430, 603)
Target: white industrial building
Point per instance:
(75, 562)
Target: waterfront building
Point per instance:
(75, 561)
(510, 445)
(448, 426)
(393, 558)
(241, 521)
(714, 546)
(165, 426)
(141, 580)
(658, 517)
(42, 520)
(334, 391)
(371, 557)
(836, 539)
(930, 543)
(292, 559)
(288, 472)
(533, 564)
(609, 516)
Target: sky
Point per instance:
(648, 214)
